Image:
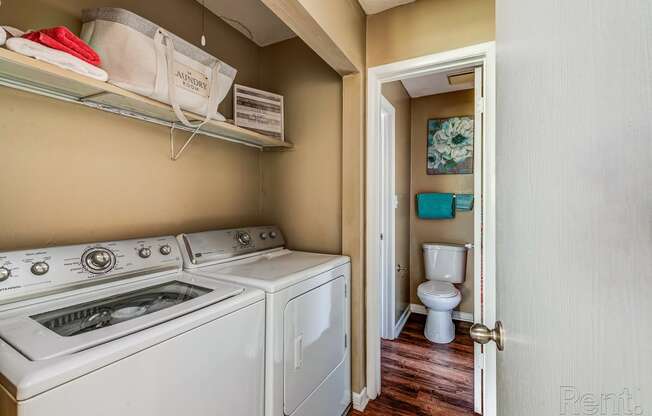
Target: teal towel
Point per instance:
(434, 206)
(464, 202)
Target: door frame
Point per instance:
(388, 255)
(484, 55)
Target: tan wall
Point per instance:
(353, 238)
(344, 21)
(118, 182)
(73, 174)
(458, 230)
(396, 94)
(303, 187)
(428, 26)
(77, 174)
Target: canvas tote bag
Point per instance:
(144, 58)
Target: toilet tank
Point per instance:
(445, 262)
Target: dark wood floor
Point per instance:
(422, 378)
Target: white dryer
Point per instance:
(117, 328)
(308, 360)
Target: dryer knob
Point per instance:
(144, 252)
(273, 234)
(165, 250)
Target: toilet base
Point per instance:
(439, 327)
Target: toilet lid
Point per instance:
(438, 289)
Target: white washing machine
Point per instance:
(308, 360)
(117, 328)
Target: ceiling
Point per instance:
(265, 27)
(377, 6)
(433, 84)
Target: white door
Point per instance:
(388, 216)
(574, 207)
(314, 340)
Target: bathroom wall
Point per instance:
(396, 94)
(457, 230)
(302, 188)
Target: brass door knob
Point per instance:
(481, 334)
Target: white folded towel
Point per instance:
(7, 31)
(55, 57)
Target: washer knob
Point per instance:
(273, 234)
(4, 274)
(165, 250)
(263, 236)
(98, 260)
(144, 252)
(40, 268)
(244, 238)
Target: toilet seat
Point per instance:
(437, 289)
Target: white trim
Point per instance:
(398, 328)
(388, 256)
(360, 400)
(478, 150)
(456, 315)
(481, 54)
(462, 316)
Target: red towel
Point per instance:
(64, 40)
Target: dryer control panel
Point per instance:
(219, 245)
(29, 273)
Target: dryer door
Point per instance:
(314, 331)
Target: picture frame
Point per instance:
(449, 145)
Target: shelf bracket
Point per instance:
(175, 156)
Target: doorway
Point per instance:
(381, 201)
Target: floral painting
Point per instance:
(450, 145)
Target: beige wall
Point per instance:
(457, 230)
(344, 22)
(73, 174)
(302, 188)
(428, 26)
(353, 238)
(106, 177)
(77, 174)
(396, 94)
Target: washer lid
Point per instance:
(53, 329)
(273, 271)
(438, 289)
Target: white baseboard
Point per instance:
(401, 321)
(360, 400)
(457, 315)
(420, 309)
(463, 316)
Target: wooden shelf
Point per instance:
(27, 74)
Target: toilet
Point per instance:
(445, 264)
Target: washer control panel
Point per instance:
(31, 272)
(219, 245)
